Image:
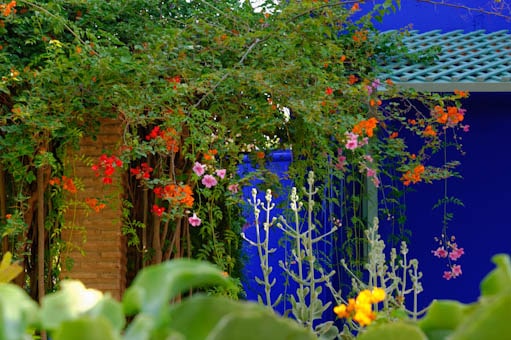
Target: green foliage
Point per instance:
(445, 319)
(76, 312)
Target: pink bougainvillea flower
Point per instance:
(368, 158)
(221, 173)
(341, 163)
(209, 181)
(199, 169)
(456, 270)
(234, 188)
(352, 142)
(456, 253)
(371, 172)
(440, 252)
(194, 220)
(466, 128)
(447, 275)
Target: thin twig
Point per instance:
(240, 62)
(468, 8)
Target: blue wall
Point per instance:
(482, 226)
(426, 17)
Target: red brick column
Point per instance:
(96, 244)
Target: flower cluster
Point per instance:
(452, 253)
(65, 182)
(360, 308)
(94, 204)
(176, 194)
(168, 136)
(208, 180)
(106, 167)
(413, 176)
(366, 126)
(449, 118)
(143, 171)
(8, 9)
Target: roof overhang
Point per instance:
(475, 61)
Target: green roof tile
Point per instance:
(474, 61)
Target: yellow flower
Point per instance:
(378, 295)
(360, 309)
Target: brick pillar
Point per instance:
(97, 246)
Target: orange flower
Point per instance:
(343, 58)
(389, 82)
(393, 135)
(355, 7)
(359, 36)
(93, 204)
(8, 216)
(365, 126)
(210, 155)
(352, 79)
(429, 131)
(7, 9)
(69, 185)
(413, 176)
(461, 94)
(450, 118)
(260, 155)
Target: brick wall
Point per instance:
(97, 246)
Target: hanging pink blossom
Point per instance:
(194, 220)
(447, 275)
(456, 270)
(440, 252)
(199, 169)
(456, 253)
(209, 181)
(221, 173)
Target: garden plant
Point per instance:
(197, 88)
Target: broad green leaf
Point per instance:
(72, 301)
(489, 321)
(86, 328)
(499, 279)
(155, 286)
(17, 312)
(442, 318)
(393, 331)
(111, 310)
(208, 317)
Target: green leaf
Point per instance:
(393, 331)
(489, 321)
(442, 318)
(499, 279)
(86, 328)
(17, 312)
(156, 285)
(72, 301)
(207, 317)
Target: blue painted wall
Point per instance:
(425, 17)
(482, 226)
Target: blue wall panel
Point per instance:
(426, 17)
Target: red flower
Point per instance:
(158, 210)
(329, 91)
